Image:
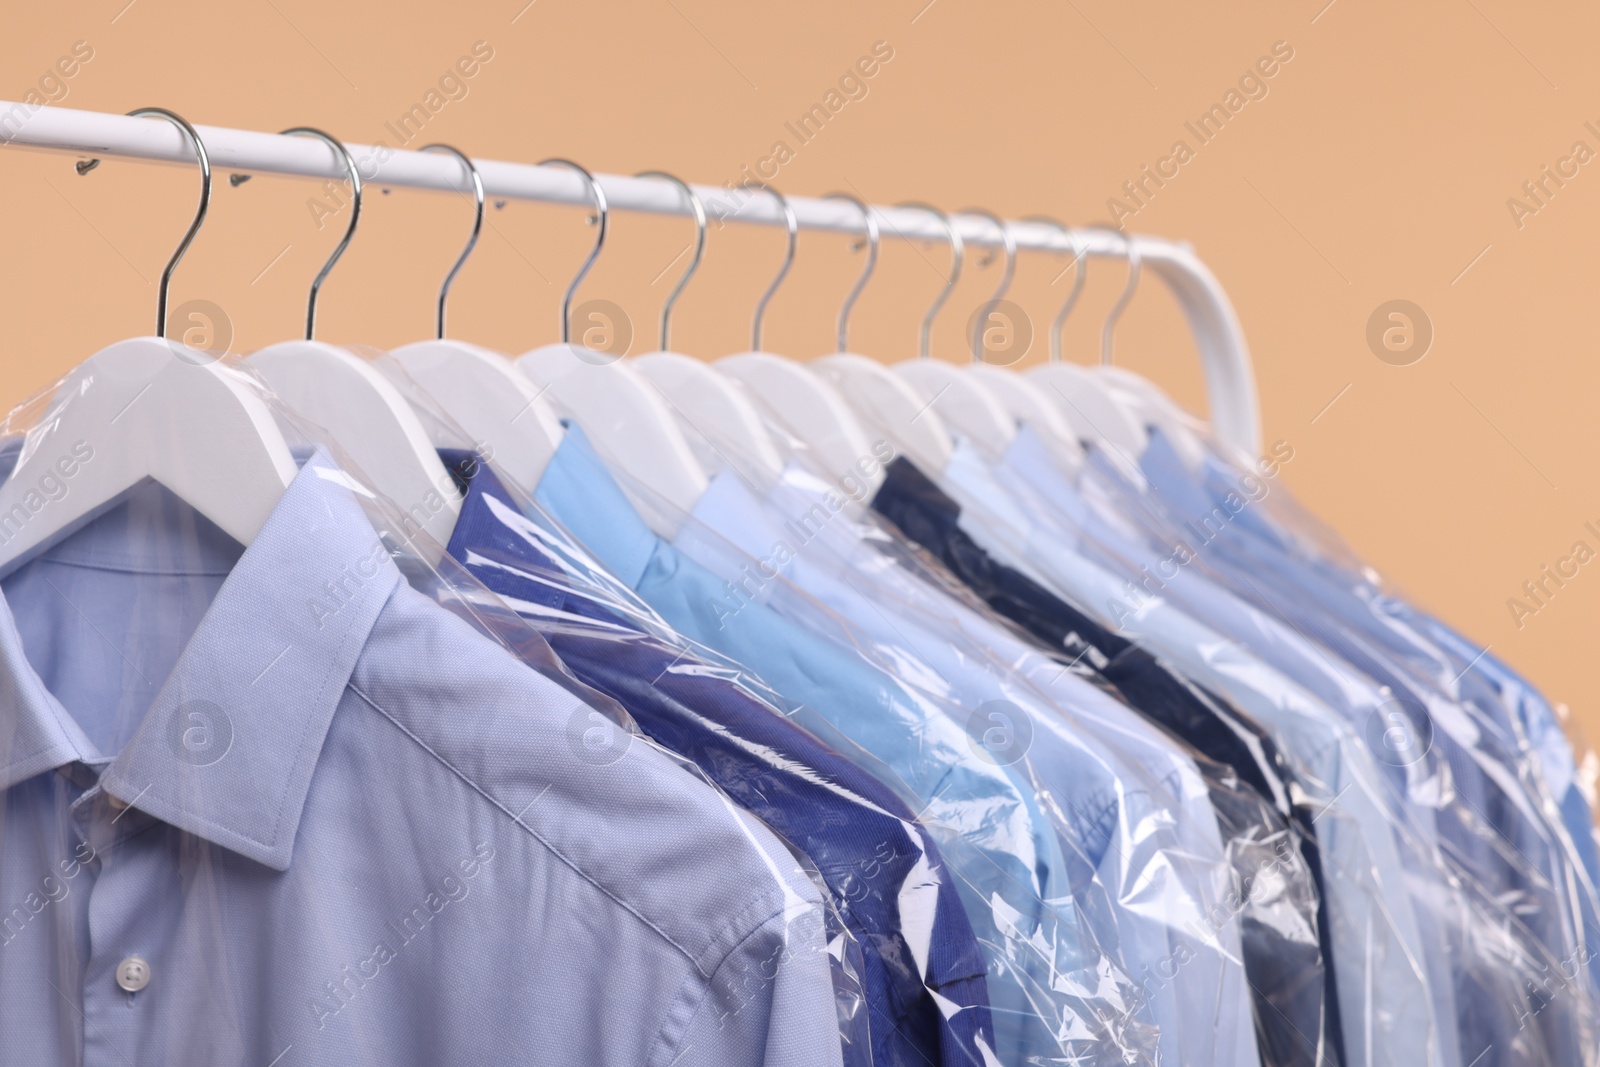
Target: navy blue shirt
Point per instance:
(923, 973)
(1297, 1009)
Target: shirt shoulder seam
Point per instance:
(666, 1042)
(554, 851)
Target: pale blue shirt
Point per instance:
(334, 823)
(1378, 941)
(1463, 720)
(1122, 797)
(1053, 996)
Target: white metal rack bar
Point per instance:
(1230, 382)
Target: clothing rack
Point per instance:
(1230, 381)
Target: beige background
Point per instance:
(1378, 166)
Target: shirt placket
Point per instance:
(131, 905)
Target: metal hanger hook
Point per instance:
(793, 225)
(1009, 243)
(1135, 260)
(699, 210)
(199, 149)
(958, 254)
(354, 175)
(849, 304)
(603, 211)
(1080, 275)
(477, 226)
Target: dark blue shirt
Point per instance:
(1297, 1009)
(923, 973)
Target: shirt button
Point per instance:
(133, 974)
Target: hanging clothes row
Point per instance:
(431, 706)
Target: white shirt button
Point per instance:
(133, 974)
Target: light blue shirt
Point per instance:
(1512, 829)
(1378, 941)
(1123, 798)
(273, 806)
(1053, 993)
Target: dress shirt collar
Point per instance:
(580, 492)
(227, 748)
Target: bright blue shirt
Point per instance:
(1051, 995)
(924, 974)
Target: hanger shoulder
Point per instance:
(1155, 408)
(371, 422)
(503, 414)
(1096, 416)
(962, 401)
(1029, 407)
(891, 403)
(807, 406)
(711, 406)
(631, 426)
(146, 408)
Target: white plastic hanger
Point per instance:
(801, 401)
(961, 399)
(148, 408)
(1096, 415)
(1140, 397)
(503, 414)
(889, 403)
(366, 415)
(1156, 409)
(623, 415)
(712, 411)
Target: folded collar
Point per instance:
(228, 746)
(577, 489)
